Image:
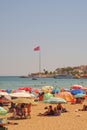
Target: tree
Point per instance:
(45, 71)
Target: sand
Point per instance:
(71, 120)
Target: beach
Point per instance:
(71, 120)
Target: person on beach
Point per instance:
(11, 109)
(40, 96)
(79, 100)
(60, 108)
(23, 109)
(49, 112)
(29, 110)
(56, 112)
(14, 112)
(84, 108)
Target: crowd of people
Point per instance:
(21, 110)
(56, 111)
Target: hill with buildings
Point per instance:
(67, 72)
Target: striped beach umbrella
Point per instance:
(55, 100)
(65, 95)
(80, 95)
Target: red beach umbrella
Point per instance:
(2, 90)
(26, 89)
(36, 90)
(76, 87)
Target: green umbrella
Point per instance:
(79, 95)
(47, 96)
(55, 100)
(3, 111)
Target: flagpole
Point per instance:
(40, 62)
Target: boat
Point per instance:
(34, 78)
(25, 76)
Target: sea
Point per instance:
(14, 82)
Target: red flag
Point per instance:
(37, 48)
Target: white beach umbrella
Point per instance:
(32, 95)
(6, 95)
(20, 94)
(3, 93)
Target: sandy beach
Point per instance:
(71, 120)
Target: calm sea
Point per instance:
(13, 82)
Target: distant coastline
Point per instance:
(66, 72)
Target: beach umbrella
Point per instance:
(2, 90)
(36, 90)
(20, 94)
(65, 95)
(80, 95)
(6, 95)
(76, 87)
(8, 90)
(3, 111)
(22, 100)
(47, 88)
(55, 90)
(17, 90)
(47, 96)
(55, 100)
(76, 91)
(26, 89)
(67, 89)
(84, 88)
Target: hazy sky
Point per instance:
(58, 26)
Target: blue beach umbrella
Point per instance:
(55, 90)
(76, 91)
(8, 90)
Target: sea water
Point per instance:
(14, 82)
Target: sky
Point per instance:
(59, 27)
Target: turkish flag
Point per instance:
(37, 48)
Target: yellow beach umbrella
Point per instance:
(47, 89)
(24, 100)
(65, 95)
(21, 100)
